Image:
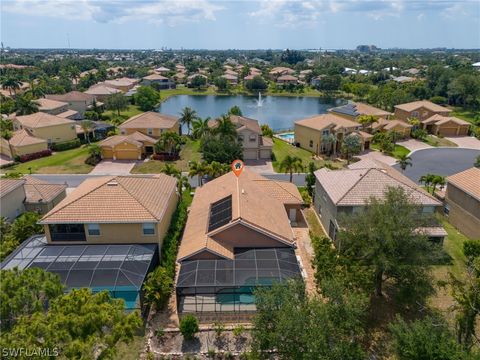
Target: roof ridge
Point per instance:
(133, 196)
(413, 187)
(354, 184)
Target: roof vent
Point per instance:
(112, 183)
(243, 191)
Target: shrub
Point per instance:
(67, 145)
(159, 333)
(219, 328)
(238, 330)
(33, 156)
(158, 287)
(189, 326)
(471, 249)
(438, 100)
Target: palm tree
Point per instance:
(169, 141)
(427, 180)
(25, 105)
(437, 180)
(330, 141)
(183, 183)
(74, 74)
(11, 84)
(87, 127)
(197, 169)
(215, 169)
(200, 128)
(187, 116)
(171, 170)
(404, 160)
(367, 120)
(225, 127)
(36, 90)
(291, 164)
(94, 150)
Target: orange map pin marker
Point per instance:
(237, 167)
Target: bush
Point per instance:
(439, 100)
(158, 287)
(471, 249)
(189, 326)
(33, 156)
(93, 160)
(67, 145)
(420, 134)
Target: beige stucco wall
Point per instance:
(123, 151)
(80, 106)
(12, 204)
(56, 111)
(44, 207)
(5, 148)
(304, 135)
(56, 133)
(423, 114)
(155, 132)
(240, 236)
(29, 149)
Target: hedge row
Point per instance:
(67, 145)
(159, 283)
(33, 156)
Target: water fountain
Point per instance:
(259, 100)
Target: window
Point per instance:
(428, 210)
(253, 137)
(240, 138)
(122, 132)
(148, 229)
(93, 229)
(325, 132)
(150, 131)
(311, 143)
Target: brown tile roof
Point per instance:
(439, 120)
(38, 190)
(468, 181)
(281, 70)
(323, 121)
(150, 120)
(287, 78)
(355, 186)
(41, 119)
(137, 138)
(71, 96)
(365, 109)
(241, 122)
(121, 82)
(67, 113)
(24, 138)
(101, 89)
(411, 106)
(390, 124)
(9, 185)
(49, 104)
(155, 77)
(120, 199)
(229, 77)
(256, 203)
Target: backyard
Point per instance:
(282, 149)
(132, 110)
(64, 162)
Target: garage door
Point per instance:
(127, 154)
(107, 154)
(250, 154)
(265, 154)
(448, 131)
(463, 130)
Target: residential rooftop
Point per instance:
(324, 121)
(150, 120)
(41, 119)
(414, 105)
(468, 181)
(357, 109)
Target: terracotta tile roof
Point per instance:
(241, 122)
(287, 78)
(155, 77)
(150, 120)
(121, 82)
(411, 106)
(439, 120)
(281, 70)
(110, 199)
(266, 141)
(468, 181)
(24, 138)
(9, 185)
(101, 89)
(49, 104)
(390, 124)
(67, 113)
(38, 190)
(355, 186)
(41, 119)
(357, 109)
(137, 139)
(323, 121)
(71, 96)
(256, 202)
(229, 77)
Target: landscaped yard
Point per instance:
(189, 152)
(281, 149)
(125, 114)
(439, 142)
(313, 223)
(396, 153)
(64, 162)
(465, 114)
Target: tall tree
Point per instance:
(367, 120)
(116, 102)
(187, 117)
(200, 128)
(291, 164)
(198, 169)
(25, 104)
(351, 145)
(225, 127)
(146, 98)
(87, 126)
(310, 179)
(404, 160)
(11, 83)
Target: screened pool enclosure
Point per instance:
(119, 269)
(228, 285)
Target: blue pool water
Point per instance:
(287, 136)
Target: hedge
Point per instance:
(33, 156)
(67, 145)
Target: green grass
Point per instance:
(313, 223)
(281, 149)
(64, 162)
(125, 114)
(438, 142)
(453, 245)
(189, 152)
(466, 114)
(396, 153)
(132, 350)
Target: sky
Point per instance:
(241, 24)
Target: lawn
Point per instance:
(313, 223)
(396, 153)
(189, 152)
(438, 142)
(125, 114)
(465, 114)
(132, 350)
(64, 162)
(281, 149)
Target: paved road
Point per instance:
(439, 161)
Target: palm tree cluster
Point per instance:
(431, 181)
(169, 142)
(291, 164)
(212, 170)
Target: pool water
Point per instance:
(287, 136)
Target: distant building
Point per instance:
(12, 196)
(367, 48)
(161, 81)
(76, 100)
(57, 108)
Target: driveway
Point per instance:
(466, 142)
(5, 160)
(413, 145)
(377, 155)
(439, 161)
(114, 167)
(260, 166)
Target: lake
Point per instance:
(279, 112)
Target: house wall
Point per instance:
(303, 136)
(240, 236)
(56, 133)
(464, 211)
(246, 143)
(56, 111)
(12, 204)
(80, 106)
(5, 148)
(29, 149)
(156, 132)
(44, 207)
(345, 116)
(324, 206)
(123, 151)
(423, 114)
(450, 129)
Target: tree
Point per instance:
(146, 98)
(187, 117)
(438, 180)
(310, 179)
(367, 120)
(425, 339)
(291, 164)
(300, 327)
(116, 102)
(25, 292)
(189, 326)
(383, 238)
(197, 169)
(330, 142)
(79, 324)
(158, 287)
(221, 83)
(351, 145)
(215, 169)
(235, 110)
(292, 57)
(225, 127)
(220, 148)
(170, 142)
(404, 160)
(25, 104)
(200, 128)
(198, 82)
(87, 127)
(11, 83)
(266, 130)
(256, 84)
(477, 162)
(26, 225)
(6, 128)
(7, 105)
(171, 170)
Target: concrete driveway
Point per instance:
(114, 167)
(413, 145)
(260, 166)
(377, 155)
(439, 161)
(466, 142)
(5, 160)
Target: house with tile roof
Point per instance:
(352, 111)
(232, 220)
(114, 210)
(342, 192)
(420, 110)
(160, 81)
(310, 133)
(52, 128)
(42, 196)
(462, 199)
(150, 123)
(133, 146)
(12, 198)
(446, 125)
(23, 143)
(255, 146)
(77, 101)
(123, 84)
(101, 91)
(401, 127)
(58, 108)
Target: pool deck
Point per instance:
(287, 139)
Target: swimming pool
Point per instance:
(290, 136)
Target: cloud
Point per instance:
(169, 12)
